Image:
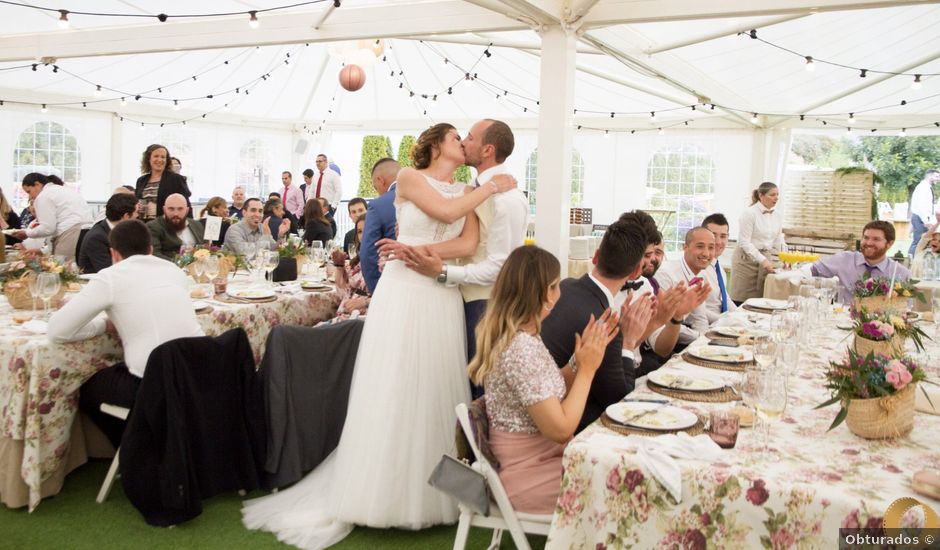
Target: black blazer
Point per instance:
(170, 182)
(615, 378)
(95, 253)
(316, 230)
(13, 222)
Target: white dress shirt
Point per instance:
(922, 201)
(505, 234)
(713, 302)
(761, 228)
(671, 273)
(146, 298)
(58, 209)
(331, 188)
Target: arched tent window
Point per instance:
(577, 178)
(47, 147)
(177, 143)
(254, 168)
(680, 178)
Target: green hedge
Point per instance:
(404, 151)
(373, 149)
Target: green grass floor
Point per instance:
(73, 520)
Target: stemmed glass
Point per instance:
(258, 260)
(211, 268)
(49, 286)
(352, 251)
(764, 351)
(32, 282)
(316, 256)
(771, 404)
(247, 251)
(270, 264)
(199, 267)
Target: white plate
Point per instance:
(10, 231)
(845, 325)
(313, 285)
(200, 305)
(767, 303)
(253, 294)
(724, 355)
(737, 332)
(666, 417)
(684, 382)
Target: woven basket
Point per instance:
(883, 417)
(226, 265)
(875, 304)
(18, 295)
(864, 346)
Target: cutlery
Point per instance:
(638, 400)
(640, 415)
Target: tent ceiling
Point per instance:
(690, 53)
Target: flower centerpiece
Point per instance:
(876, 294)
(228, 262)
(875, 392)
(293, 247)
(883, 332)
(16, 284)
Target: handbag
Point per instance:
(456, 478)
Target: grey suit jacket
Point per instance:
(166, 244)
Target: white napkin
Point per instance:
(655, 454)
(35, 326)
(736, 318)
(921, 403)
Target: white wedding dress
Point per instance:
(410, 373)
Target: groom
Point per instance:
(503, 222)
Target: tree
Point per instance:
(373, 149)
(404, 151)
(462, 174)
(900, 162)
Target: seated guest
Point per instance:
(28, 215)
(317, 227)
(871, 261)
(238, 202)
(217, 207)
(275, 214)
(147, 302)
(274, 195)
(8, 218)
(381, 218)
(252, 229)
(325, 205)
(617, 260)
(533, 407)
(95, 252)
(718, 301)
(350, 286)
(357, 207)
(654, 261)
(60, 212)
(689, 270)
(174, 229)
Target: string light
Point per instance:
(98, 91)
(64, 19)
(652, 116)
(43, 109)
(754, 118)
(851, 118)
(253, 19)
(810, 66)
(123, 102)
(176, 105)
(903, 132)
(661, 131)
(916, 84)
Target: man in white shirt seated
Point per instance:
(60, 214)
(147, 303)
(174, 229)
(718, 300)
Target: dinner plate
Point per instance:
(199, 305)
(253, 294)
(721, 354)
(737, 332)
(767, 303)
(684, 382)
(651, 416)
(313, 285)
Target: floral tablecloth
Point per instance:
(39, 381)
(822, 482)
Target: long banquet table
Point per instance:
(39, 385)
(822, 482)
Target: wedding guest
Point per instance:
(922, 207)
(238, 202)
(532, 406)
(305, 186)
(216, 206)
(351, 287)
(381, 219)
(292, 196)
(60, 214)
(328, 214)
(252, 229)
(617, 260)
(274, 195)
(357, 208)
(329, 184)
(28, 215)
(275, 214)
(174, 229)
(871, 261)
(760, 235)
(157, 182)
(147, 303)
(317, 226)
(718, 301)
(8, 218)
(95, 252)
(175, 165)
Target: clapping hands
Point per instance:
(590, 345)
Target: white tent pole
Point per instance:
(557, 81)
(723, 33)
(117, 152)
(479, 40)
(324, 17)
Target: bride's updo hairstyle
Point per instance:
(422, 153)
(519, 296)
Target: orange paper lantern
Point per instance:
(352, 77)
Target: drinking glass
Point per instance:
(270, 264)
(723, 428)
(788, 356)
(779, 329)
(199, 267)
(211, 267)
(352, 251)
(49, 286)
(764, 351)
(259, 260)
(771, 404)
(316, 255)
(33, 283)
(247, 251)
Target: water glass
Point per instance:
(771, 404)
(788, 356)
(49, 286)
(199, 267)
(211, 267)
(723, 428)
(271, 261)
(352, 250)
(764, 351)
(32, 281)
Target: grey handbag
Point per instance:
(457, 479)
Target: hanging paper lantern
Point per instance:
(352, 77)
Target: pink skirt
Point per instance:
(530, 469)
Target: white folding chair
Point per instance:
(502, 516)
(119, 412)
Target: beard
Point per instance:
(651, 270)
(176, 224)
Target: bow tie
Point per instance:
(632, 285)
(768, 211)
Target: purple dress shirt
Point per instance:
(849, 267)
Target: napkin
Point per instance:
(921, 403)
(656, 454)
(736, 318)
(35, 326)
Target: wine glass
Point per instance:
(247, 251)
(259, 259)
(764, 351)
(270, 264)
(211, 267)
(352, 250)
(316, 256)
(49, 286)
(199, 267)
(32, 282)
(779, 328)
(771, 404)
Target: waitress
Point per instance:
(760, 235)
(157, 183)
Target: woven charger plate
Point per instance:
(206, 310)
(736, 367)
(696, 429)
(225, 298)
(724, 339)
(723, 395)
(749, 307)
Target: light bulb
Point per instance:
(652, 115)
(225, 108)
(754, 118)
(253, 19)
(123, 102)
(851, 118)
(64, 19)
(903, 132)
(661, 131)
(810, 66)
(606, 133)
(916, 84)
(176, 105)
(43, 109)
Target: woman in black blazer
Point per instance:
(158, 182)
(316, 228)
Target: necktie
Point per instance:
(319, 183)
(721, 287)
(868, 269)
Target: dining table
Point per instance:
(41, 432)
(814, 482)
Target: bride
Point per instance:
(409, 375)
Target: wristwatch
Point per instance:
(675, 322)
(442, 276)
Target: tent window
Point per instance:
(680, 178)
(49, 148)
(179, 147)
(577, 178)
(254, 168)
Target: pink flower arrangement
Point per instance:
(877, 330)
(897, 374)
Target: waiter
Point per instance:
(60, 214)
(922, 202)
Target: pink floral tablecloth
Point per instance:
(39, 381)
(822, 482)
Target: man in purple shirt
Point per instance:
(871, 261)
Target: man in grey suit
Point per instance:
(174, 229)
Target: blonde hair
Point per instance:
(5, 207)
(519, 294)
(762, 190)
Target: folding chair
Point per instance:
(118, 412)
(502, 516)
